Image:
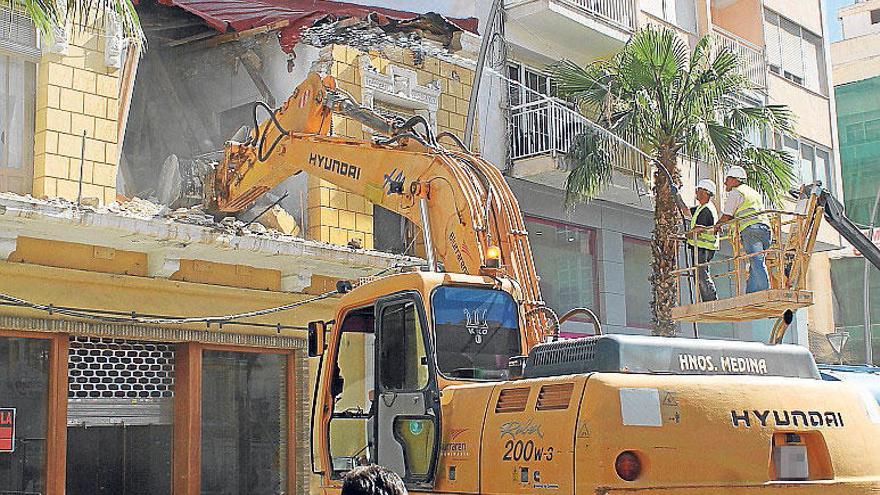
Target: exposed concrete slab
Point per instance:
(166, 242)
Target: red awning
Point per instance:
(240, 15)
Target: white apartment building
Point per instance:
(598, 254)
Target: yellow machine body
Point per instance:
(562, 434)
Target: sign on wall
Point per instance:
(7, 429)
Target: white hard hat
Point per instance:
(737, 172)
(708, 185)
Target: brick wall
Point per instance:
(76, 93)
(336, 215)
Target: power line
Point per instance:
(108, 316)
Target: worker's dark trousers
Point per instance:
(704, 277)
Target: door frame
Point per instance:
(430, 392)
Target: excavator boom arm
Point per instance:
(468, 205)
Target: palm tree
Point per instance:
(670, 102)
(49, 13)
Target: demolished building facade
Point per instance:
(131, 356)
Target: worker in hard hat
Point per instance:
(743, 205)
(705, 242)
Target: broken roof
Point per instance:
(295, 15)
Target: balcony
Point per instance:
(541, 133)
(552, 28)
(752, 63)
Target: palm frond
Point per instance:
(83, 14)
(770, 172)
(589, 160)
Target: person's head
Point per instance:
(736, 175)
(705, 191)
(372, 480)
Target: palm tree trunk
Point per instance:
(664, 246)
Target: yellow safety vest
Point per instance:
(706, 239)
(752, 203)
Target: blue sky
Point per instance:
(833, 25)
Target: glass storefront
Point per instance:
(636, 273)
(243, 423)
(119, 416)
(567, 267)
(24, 386)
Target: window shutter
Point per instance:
(771, 39)
(812, 54)
(808, 159)
(823, 168)
(790, 43)
(18, 33)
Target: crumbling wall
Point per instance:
(188, 102)
(339, 216)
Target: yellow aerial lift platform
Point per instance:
(787, 258)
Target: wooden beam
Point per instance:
(191, 38)
(56, 420)
(292, 423)
(237, 35)
(187, 436)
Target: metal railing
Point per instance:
(752, 63)
(618, 12)
(547, 126)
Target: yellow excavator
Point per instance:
(452, 375)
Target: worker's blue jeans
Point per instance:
(756, 238)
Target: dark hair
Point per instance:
(372, 480)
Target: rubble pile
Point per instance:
(367, 35)
(282, 224)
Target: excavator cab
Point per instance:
(387, 358)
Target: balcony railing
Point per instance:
(752, 63)
(547, 126)
(619, 12)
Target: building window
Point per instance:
(636, 271)
(24, 387)
(681, 13)
(812, 161)
(17, 94)
(795, 53)
(530, 84)
(243, 423)
(567, 266)
(875, 16)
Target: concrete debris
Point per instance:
(277, 218)
(91, 202)
(366, 35)
(281, 226)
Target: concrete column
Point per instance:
(612, 287)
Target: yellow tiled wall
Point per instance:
(76, 93)
(336, 215)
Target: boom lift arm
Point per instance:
(462, 202)
(835, 217)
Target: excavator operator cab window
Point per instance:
(477, 332)
(352, 384)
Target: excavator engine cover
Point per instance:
(664, 355)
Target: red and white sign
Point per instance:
(7, 429)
